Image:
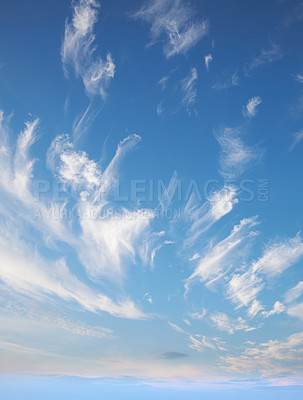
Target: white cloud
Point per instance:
(16, 181)
(197, 315)
(109, 239)
(189, 89)
(236, 156)
(174, 21)
(208, 59)
(107, 245)
(163, 82)
(250, 109)
(21, 308)
(194, 257)
(78, 49)
(160, 109)
(200, 343)
(255, 307)
(32, 276)
(224, 323)
(278, 308)
(266, 56)
(148, 298)
(73, 167)
(16, 168)
(299, 78)
(296, 310)
(294, 293)
(218, 204)
(83, 122)
(243, 289)
(177, 328)
(220, 258)
(104, 246)
(227, 80)
(297, 137)
(272, 358)
(279, 256)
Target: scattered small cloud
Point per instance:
(194, 257)
(227, 80)
(266, 56)
(250, 110)
(279, 256)
(160, 109)
(163, 82)
(218, 260)
(208, 59)
(296, 310)
(189, 89)
(218, 204)
(78, 49)
(198, 315)
(294, 293)
(299, 78)
(224, 323)
(176, 22)
(148, 298)
(236, 157)
(297, 137)
(270, 359)
(278, 308)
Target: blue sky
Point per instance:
(150, 185)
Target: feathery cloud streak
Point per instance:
(174, 21)
(78, 49)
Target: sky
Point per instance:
(151, 199)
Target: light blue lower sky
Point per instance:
(50, 388)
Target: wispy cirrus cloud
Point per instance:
(163, 82)
(254, 308)
(266, 56)
(227, 80)
(207, 60)
(104, 240)
(299, 78)
(160, 109)
(278, 308)
(230, 325)
(32, 276)
(244, 288)
(199, 342)
(203, 216)
(78, 49)
(250, 110)
(102, 246)
(189, 89)
(198, 315)
(272, 358)
(174, 21)
(297, 137)
(83, 121)
(236, 156)
(218, 260)
(296, 310)
(21, 308)
(277, 257)
(294, 293)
